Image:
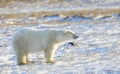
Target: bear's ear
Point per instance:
(68, 32)
(65, 32)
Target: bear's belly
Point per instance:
(35, 47)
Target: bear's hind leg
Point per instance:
(21, 58)
(21, 50)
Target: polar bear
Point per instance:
(31, 40)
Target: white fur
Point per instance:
(28, 41)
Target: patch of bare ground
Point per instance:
(87, 13)
(57, 23)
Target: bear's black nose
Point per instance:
(75, 36)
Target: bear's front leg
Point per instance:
(49, 55)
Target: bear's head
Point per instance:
(63, 36)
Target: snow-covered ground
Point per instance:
(97, 50)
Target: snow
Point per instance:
(97, 51)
